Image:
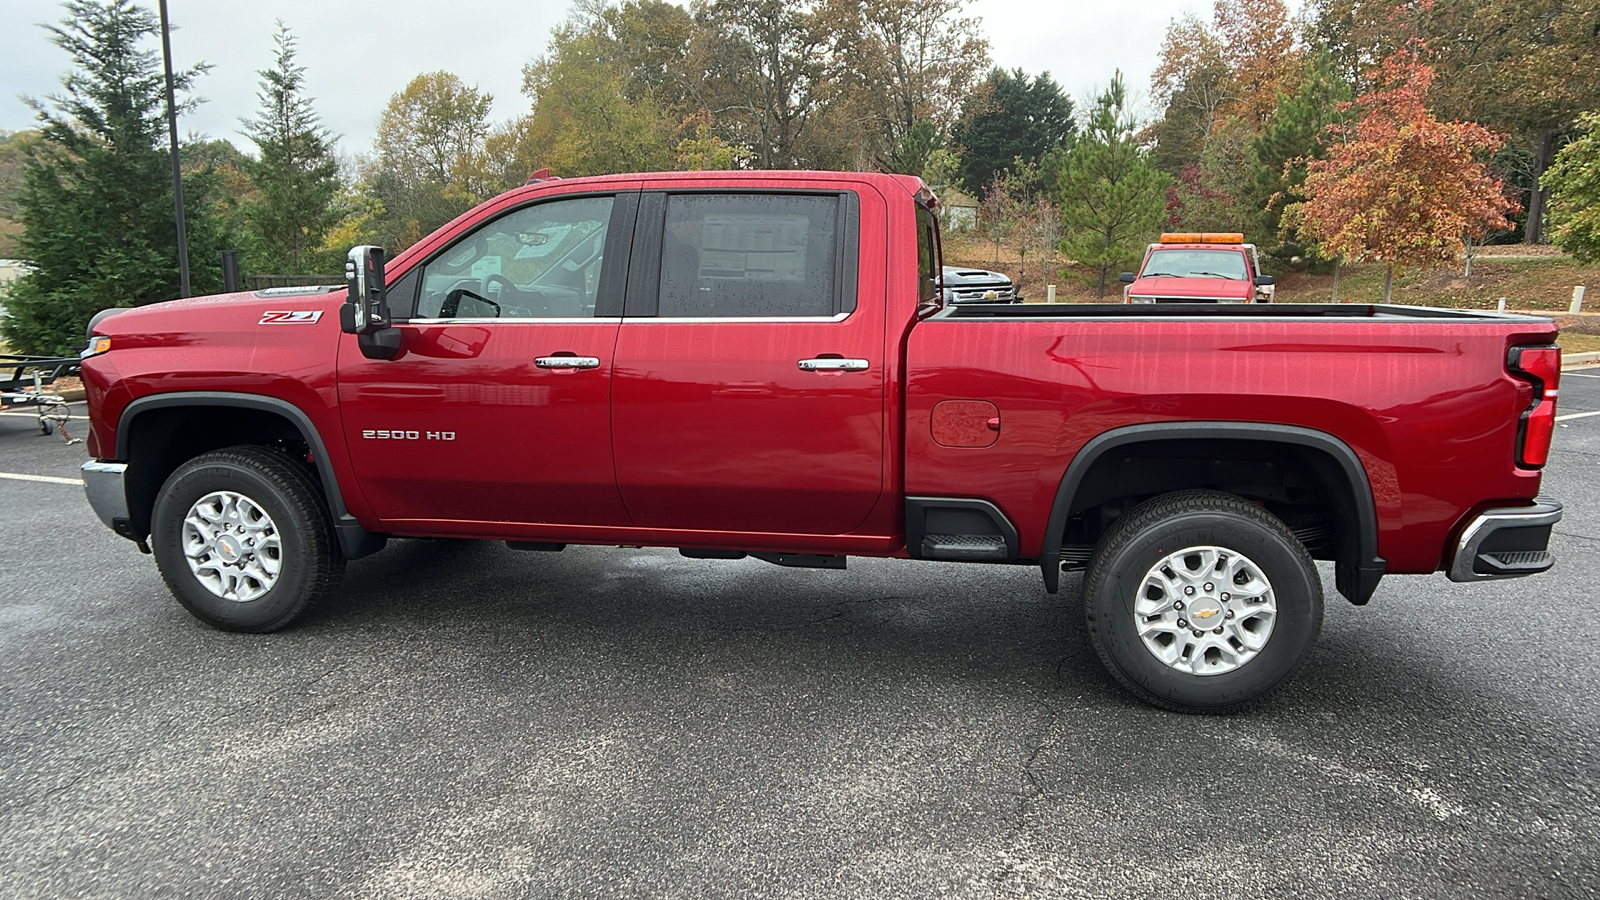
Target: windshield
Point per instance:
(1227, 264)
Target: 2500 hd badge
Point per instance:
(378, 434)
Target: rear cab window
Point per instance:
(930, 295)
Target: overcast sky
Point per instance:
(358, 53)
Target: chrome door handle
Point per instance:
(567, 362)
(833, 364)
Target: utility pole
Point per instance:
(177, 168)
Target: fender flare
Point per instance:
(354, 539)
(1356, 578)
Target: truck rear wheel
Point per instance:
(243, 539)
(1202, 602)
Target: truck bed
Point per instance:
(1276, 312)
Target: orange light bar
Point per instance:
(1202, 237)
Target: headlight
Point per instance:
(97, 345)
(1141, 299)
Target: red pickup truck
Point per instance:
(760, 364)
(1199, 267)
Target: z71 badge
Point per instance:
(290, 317)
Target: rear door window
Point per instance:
(750, 255)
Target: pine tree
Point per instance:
(1293, 137)
(296, 174)
(1112, 199)
(96, 199)
(1007, 119)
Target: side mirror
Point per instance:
(365, 313)
(1264, 281)
(367, 309)
(1127, 278)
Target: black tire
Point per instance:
(1163, 526)
(310, 560)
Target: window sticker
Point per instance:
(754, 247)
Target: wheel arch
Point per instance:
(1358, 567)
(158, 433)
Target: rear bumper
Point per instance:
(102, 481)
(1506, 543)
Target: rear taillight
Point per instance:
(1541, 366)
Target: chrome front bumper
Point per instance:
(102, 481)
(1506, 543)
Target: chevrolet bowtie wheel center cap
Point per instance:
(1205, 610)
(232, 546)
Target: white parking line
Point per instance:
(1576, 416)
(36, 415)
(1568, 373)
(47, 479)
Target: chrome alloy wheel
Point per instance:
(232, 546)
(1205, 610)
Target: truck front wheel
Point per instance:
(243, 539)
(1202, 602)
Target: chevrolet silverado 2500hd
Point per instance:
(760, 363)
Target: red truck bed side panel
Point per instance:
(1426, 405)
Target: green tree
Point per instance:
(218, 161)
(1292, 138)
(596, 93)
(1110, 197)
(1010, 117)
(295, 174)
(1574, 184)
(428, 167)
(12, 147)
(96, 199)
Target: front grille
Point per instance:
(976, 295)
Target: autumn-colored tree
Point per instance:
(13, 145)
(1292, 138)
(1236, 66)
(766, 78)
(1574, 183)
(699, 150)
(584, 123)
(1400, 186)
(429, 161)
(904, 67)
(606, 95)
(1521, 67)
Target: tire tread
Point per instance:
(324, 561)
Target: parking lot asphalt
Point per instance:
(469, 721)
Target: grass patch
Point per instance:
(1571, 342)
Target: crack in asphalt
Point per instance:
(1581, 537)
(1031, 791)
